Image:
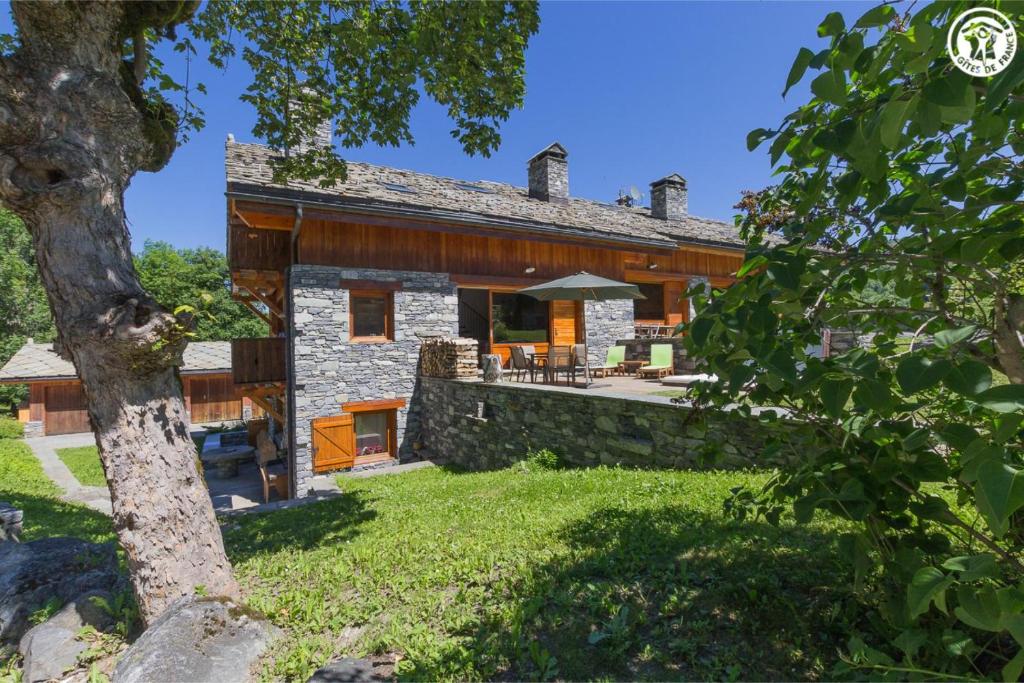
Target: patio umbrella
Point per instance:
(583, 287)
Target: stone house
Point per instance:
(353, 279)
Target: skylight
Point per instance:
(398, 187)
(474, 188)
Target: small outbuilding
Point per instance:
(56, 403)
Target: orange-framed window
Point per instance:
(371, 315)
(375, 426)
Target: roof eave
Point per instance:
(238, 190)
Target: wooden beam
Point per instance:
(259, 314)
(488, 281)
(368, 406)
(262, 402)
(379, 285)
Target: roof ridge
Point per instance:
(639, 210)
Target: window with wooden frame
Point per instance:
(651, 308)
(371, 315)
(375, 429)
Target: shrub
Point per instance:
(544, 459)
(11, 428)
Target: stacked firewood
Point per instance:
(448, 358)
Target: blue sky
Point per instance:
(634, 91)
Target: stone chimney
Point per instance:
(668, 198)
(323, 137)
(549, 174)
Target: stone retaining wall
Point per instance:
(486, 426)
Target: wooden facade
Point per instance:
(476, 258)
(60, 404)
(258, 360)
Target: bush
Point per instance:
(544, 459)
(11, 428)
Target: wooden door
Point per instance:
(334, 443)
(214, 399)
(65, 409)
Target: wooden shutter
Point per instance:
(334, 443)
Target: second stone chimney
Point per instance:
(549, 174)
(668, 198)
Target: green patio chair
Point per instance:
(661, 362)
(616, 355)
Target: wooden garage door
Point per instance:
(65, 409)
(334, 443)
(214, 399)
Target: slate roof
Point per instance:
(249, 171)
(35, 362)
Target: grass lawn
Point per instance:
(531, 574)
(84, 463)
(24, 485)
(523, 573)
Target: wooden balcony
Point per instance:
(258, 361)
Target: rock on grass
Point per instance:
(198, 639)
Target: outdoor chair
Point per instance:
(616, 355)
(273, 476)
(559, 360)
(579, 361)
(529, 352)
(661, 362)
(520, 363)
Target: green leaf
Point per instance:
(874, 395)
(757, 136)
(700, 330)
(1007, 427)
(999, 493)
(953, 89)
(1003, 399)
(948, 338)
(833, 25)
(1004, 83)
(969, 377)
(979, 608)
(917, 373)
(796, 72)
(1013, 668)
(835, 394)
(876, 16)
(972, 567)
(928, 585)
(830, 86)
(894, 115)
(751, 264)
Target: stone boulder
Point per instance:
(198, 639)
(52, 647)
(10, 522)
(33, 573)
(352, 670)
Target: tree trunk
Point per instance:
(71, 138)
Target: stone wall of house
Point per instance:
(607, 322)
(34, 428)
(485, 426)
(326, 369)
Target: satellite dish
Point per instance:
(635, 193)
